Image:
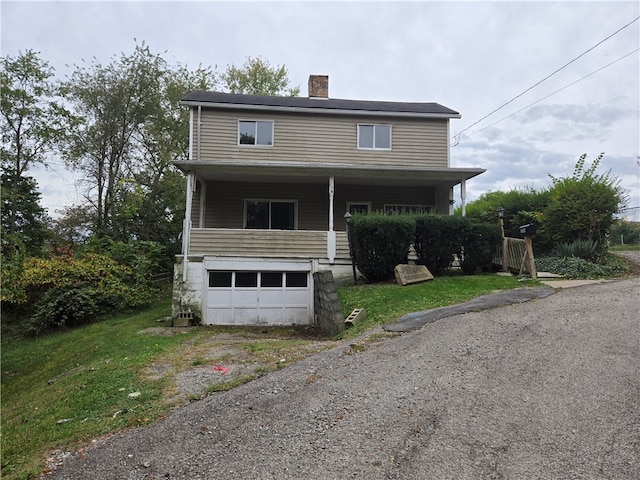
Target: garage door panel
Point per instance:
(245, 298)
(259, 297)
(245, 316)
(220, 316)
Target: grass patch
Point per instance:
(625, 248)
(385, 303)
(62, 389)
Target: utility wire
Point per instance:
(457, 137)
(553, 93)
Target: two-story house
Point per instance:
(269, 180)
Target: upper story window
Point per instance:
(255, 132)
(375, 137)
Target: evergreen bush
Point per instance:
(438, 238)
(479, 247)
(381, 242)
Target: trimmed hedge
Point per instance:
(380, 242)
(478, 248)
(438, 238)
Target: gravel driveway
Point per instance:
(548, 388)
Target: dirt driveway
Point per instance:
(548, 388)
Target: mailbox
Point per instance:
(528, 230)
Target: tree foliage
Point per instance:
(583, 205)
(625, 233)
(24, 223)
(258, 77)
(132, 129)
(31, 123)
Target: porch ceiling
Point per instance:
(319, 173)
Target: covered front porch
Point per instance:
(324, 246)
(220, 198)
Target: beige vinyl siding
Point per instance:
(324, 139)
(225, 201)
(195, 205)
(258, 243)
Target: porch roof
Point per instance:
(303, 172)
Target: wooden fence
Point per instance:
(516, 255)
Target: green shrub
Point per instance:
(60, 307)
(380, 243)
(625, 233)
(56, 290)
(479, 247)
(583, 205)
(144, 257)
(437, 239)
(609, 266)
(581, 248)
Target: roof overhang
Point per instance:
(294, 172)
(318, 111)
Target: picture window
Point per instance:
(270, 214)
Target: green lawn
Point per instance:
(61, 390)
(385, 303)
(42, 408)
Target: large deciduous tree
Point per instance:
(133, 128)
(258, 77)
(32, 121)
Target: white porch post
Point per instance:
(331, 234)
(463, 196)
(186, 225)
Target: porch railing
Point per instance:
(265, 243)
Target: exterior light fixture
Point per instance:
(500, 211)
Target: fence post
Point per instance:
(505, 254)
(528, 245)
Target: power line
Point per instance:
(456, 138)
(553, 93)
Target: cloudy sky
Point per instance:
(473, 57)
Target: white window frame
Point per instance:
(407, 208)
(255, 122)
(270, 201)
(349, 204)
(374, 125)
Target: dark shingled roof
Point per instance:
(321, 104)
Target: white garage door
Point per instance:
(266, 297)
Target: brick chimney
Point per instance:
(318, 86)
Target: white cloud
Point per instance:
(470, 56)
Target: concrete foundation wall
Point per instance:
(187, 296)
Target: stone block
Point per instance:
(410, 274)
